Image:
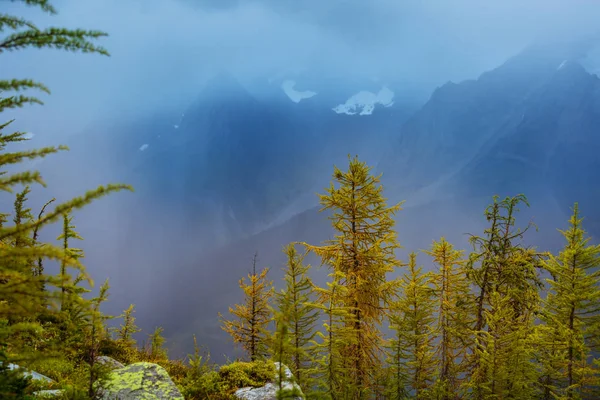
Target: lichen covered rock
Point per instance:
(269, 391)
(139, 381)
(48, 394)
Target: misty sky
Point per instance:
(163, 50)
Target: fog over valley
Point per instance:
(228, 117)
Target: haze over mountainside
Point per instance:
(383, 199)
(550, 151)
(527, 126)
(240, 166)
(233, 164)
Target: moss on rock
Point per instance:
(142, 380)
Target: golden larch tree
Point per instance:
(249, 326)
(363, 251)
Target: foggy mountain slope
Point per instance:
(234, 163)
(226, 148)
(553, 149)
(208, 181)
(533, 136)
(228, 164)
(460, 118)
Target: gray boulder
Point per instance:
(34, 375)
(138, 381)
(269, 391)
(38, 377)
(111, 362)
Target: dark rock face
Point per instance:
(529, 126)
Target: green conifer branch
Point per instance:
(57, 38)
(43, 4)
(15, 158)
(14, 23)
(22, 84)
(74, 204)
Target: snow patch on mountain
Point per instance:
(293, 94)
(364, 102)
(562, 64)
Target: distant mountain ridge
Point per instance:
(233, 163)
(529, 126)
(242, 159)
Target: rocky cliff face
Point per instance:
(530, 126)
(551, 146)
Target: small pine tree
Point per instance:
(571, 316)
(156, 345)
(67, 234)
(331, 379)
(502, 268)
(249, 328)
(128, 328)
(23, 216)
(124, 338)
(294, 303)
(411, 318)
(96, 328)
(506, 363)
(281, 348)
(396, 375)
(454, 318)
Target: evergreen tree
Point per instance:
(124, 339)
(572, 317)
(23, 216)
(22, 242)
(75, 310)
(281, 348)
(507, 370)
(67, 234)
(96, 327)
(505, 274)
(156, 345)
(128, 328)
(454, 318)
(294, 302)
(22, 289)
(332, 381)
(13, 383)
(412, 317)
(363, 251)
(249, 328)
